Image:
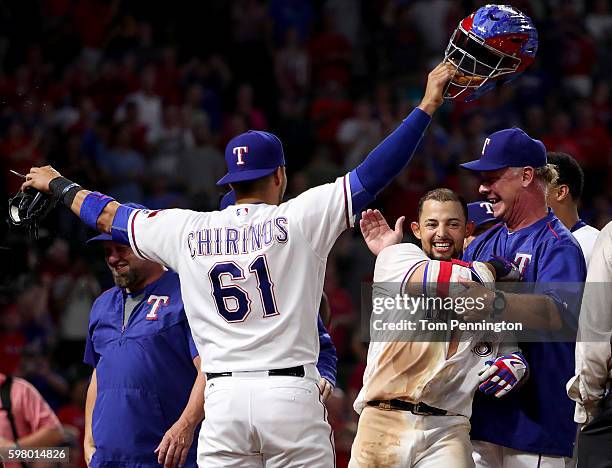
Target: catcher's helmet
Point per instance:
(28, 208)
(490, 47)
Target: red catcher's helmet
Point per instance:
(490, 47)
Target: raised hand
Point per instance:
(377, 233)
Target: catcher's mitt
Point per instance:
(27, 209)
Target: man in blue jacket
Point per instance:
(534, 426)
(146, 396)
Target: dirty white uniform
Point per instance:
(251, 279)
(418, 372)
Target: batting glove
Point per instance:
(505, 270)
(502, 375)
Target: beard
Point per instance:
(126, 280)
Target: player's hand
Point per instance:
(39, 178)
(505, 270)
(480, 294)
(326, 388)
(88, 451)
(436, 84)
(377, 233)
(502, 375)
(175, 444)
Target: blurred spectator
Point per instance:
(328, 111)
(73, 294)
(33, 422)
(72, 417)
(12, 339)
(123, 168)
(168, 142)
(330, 54)
(201, 166)
(148, 102)
(18, 152)
(359, 134)
(292, 66)
(36, 368)
(342, 312)
(287, 14)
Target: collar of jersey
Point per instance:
(549, 216)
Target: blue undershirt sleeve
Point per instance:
(119, 229)
(387, 160)
(327, 363)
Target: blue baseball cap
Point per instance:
(509, 148)
(107, 237)
(252, 155)
(480, 212)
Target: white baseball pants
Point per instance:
(255, 420)
(400, 439)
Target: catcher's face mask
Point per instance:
(490, 47)
(26, 209)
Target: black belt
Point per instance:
(420, 409)
(297, 371)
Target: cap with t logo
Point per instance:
(480, 212)
(509, 148)
(252, 155)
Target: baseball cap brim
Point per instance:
(480, 165)
(242, 176)
(100, 237)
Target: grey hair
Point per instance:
(546, 176)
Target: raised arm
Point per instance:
(95, 209)
(388, 159)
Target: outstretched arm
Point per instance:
(388, 159)
(99, 211)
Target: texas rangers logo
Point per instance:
(482, 349)
(487, 206)
(486, 143)
(240, 151)
(157, 302)
(521, 260)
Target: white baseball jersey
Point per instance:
(251, 275)
(420, 371)
(586, 236)
(593, 351)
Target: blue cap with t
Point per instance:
(480, 212)
(252, 155)
(107, 237)
(509, 148)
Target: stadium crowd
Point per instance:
(139, 103)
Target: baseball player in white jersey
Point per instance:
(251, 280)
(591, 385)
(417, 396)
(563, 197)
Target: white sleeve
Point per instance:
(158, 235)
(593, 353)
(397, 262)
(322, 214)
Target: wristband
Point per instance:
(92, 208)
(64, 190)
